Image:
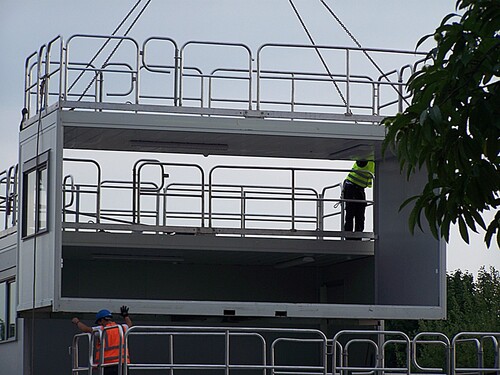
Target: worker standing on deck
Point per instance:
(112, 341)
(357, 180)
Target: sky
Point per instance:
(27, 24)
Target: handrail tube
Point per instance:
(40, 80)
(339, 334)
(135, 187)
(75, 353)
(108, 37)
(458, 339)
(176, 62)
(12, 194)
(306, 46)
(223, 44)
(443, 341)
(144, 162)
(104, 70)
(99, 177)
(27, 81)
(48, 72)
(72, 187)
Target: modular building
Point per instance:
(205, 188)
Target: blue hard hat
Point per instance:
(102, 314)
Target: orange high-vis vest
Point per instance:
(111, 338)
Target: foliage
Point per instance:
(452, 125)
(472, 307)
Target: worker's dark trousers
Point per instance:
(354, 211)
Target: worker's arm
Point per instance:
(81, 326)
(124, 313)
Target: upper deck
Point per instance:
(320, 102)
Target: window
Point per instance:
(35, 194)
(7, 310)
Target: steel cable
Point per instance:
(317, 51)
(105, 44)
(332, 13)
(117, 45)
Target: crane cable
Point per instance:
(325, 65)
(359, 46)
(119, 42)
(105, 44)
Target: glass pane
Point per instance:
(3, 311)
(12, 310)
(42, 204)
(29, 220)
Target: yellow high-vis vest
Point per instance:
(362, 176)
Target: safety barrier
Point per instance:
(275, 351)
(88, 354)
(9, 181)
(227, 199)
(230, 77)
(209, 200)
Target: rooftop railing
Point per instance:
(231, 79)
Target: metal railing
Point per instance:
(88, 351)
(118, 77)
(276, 351)
(9, 197)
(268, 345)
(213, 200)
(228, 199)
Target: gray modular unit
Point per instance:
(76, 260)
(85, 269)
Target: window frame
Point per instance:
(37, 169)
(8, 302)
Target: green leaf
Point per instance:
(464, 233)
(435, 114)
(422, 40)
(423, 117)
(452, 125)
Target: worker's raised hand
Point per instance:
(124, 311)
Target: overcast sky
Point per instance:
(27, 24)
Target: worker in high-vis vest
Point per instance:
(112, 335)
(360, 177)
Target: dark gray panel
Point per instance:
(408, 268)
(146, 280)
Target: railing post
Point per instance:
(227, 354)
(348, 81)
(293, 199)
(243, 210)
(171, 352)
(320, 212)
